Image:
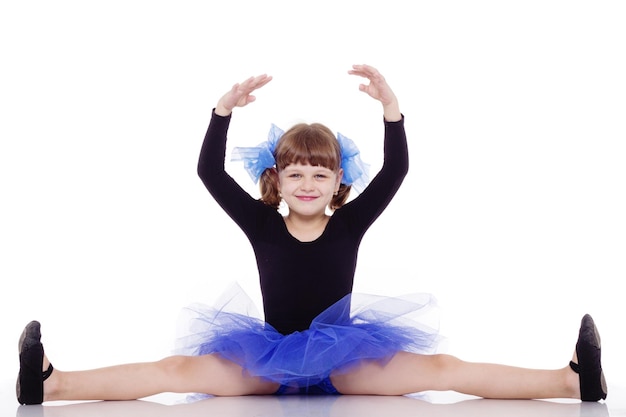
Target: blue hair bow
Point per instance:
(355, 171)
(257, 159)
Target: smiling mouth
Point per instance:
(306, 198)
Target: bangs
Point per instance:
(306, 144)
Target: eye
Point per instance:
(295, 175)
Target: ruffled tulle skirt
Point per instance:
(357, 328)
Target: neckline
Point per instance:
(283, 218)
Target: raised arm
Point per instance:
(231, 197)
(380, 191)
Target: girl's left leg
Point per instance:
(407, 373)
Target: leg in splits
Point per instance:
(210, 374)
(407, 373)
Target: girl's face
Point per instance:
(308, 189)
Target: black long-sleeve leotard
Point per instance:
(301, 279)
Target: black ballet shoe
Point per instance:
(29, 387)
(589, 366)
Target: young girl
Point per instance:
(314, 339)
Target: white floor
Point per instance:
(429, 404)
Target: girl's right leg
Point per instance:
(210, 374)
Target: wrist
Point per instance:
(220, 110)
(391, 112)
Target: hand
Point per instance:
(241, 94)
(379, 90)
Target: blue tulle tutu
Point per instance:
(356, 328)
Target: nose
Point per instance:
(307, 184)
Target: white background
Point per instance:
(512, 213)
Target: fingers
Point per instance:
(366, 71)
(254, 83)
(246, 88)
(377, 88)
(377, 85)
(251, 84)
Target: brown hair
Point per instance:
(312, 144)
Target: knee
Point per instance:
(444, 366)
(174, 366)
(444, 362)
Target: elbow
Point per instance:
(201, 170)
(212, 177)
(405, 167)
(204, 173)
